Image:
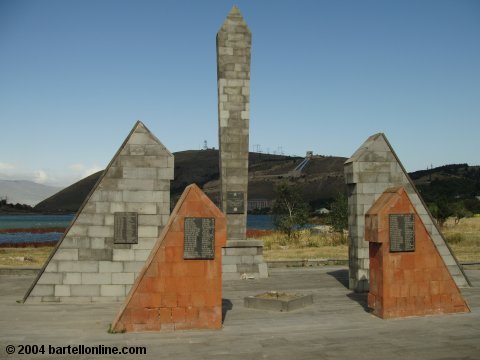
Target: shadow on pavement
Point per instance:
(361, 299)
(341, 276)
(226, 305)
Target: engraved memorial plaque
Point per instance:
(199, 238)
(402, 232)
(125, 228)
(235, 202)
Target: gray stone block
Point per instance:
(142, 208)
(100, 231)
(141, 255)
(110, 266)
(96, 278)
(97, 243)
(50, 278)
(133, 266)
(72, 278)
(71, 242)
(147, 231)
(228, 268)
(43, 290)
(78, 266)
(75, 299)
(112, 290)
(95, 254)
(283, 305)
(231, 260)
(123, 255)
(241, 251)
(62, 290)
(85, 290)
(52, 266)
(122, 278)
(247, 259)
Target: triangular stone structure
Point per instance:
(106, 244)
(408, 277)
(373, 168)
(173, 291)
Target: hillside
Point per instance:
(25, 192)
(456, 183)
(321, 179)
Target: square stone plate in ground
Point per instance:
(278, 301)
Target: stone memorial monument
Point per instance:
(180, 285)
(107, 242)
(407, 274)
(373, 168)
(233, 76)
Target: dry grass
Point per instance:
(24, 256)
(463, 238)
(304, 245)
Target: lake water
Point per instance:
(258, 222)
(34, 221)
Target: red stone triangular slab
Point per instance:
(171, 292)
(406, 283)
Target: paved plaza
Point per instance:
(336, 326)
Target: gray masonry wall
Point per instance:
(373, 168)
(87, 266)
(233, 78)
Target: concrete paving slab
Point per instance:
(336, 326)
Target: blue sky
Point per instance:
(76, 75)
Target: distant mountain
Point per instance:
(321, 179)
(69, 199)
(25, 192)
(451, 182)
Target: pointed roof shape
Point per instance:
(377, 148)
(425, 257)
(132, 139)
(192, 203)
(234, 22)
(376, 142)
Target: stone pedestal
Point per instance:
(234, 39)
(242, 259)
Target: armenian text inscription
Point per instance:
(199, 238)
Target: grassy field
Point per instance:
(463, 238)
(24, 257)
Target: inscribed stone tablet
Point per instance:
(235, 202)
(402, 232)
(199, 238)
(125, 228)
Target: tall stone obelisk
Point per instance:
(234, 40)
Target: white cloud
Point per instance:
(6, 166)
(81, 171)
(59, 177)
(40, 177)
